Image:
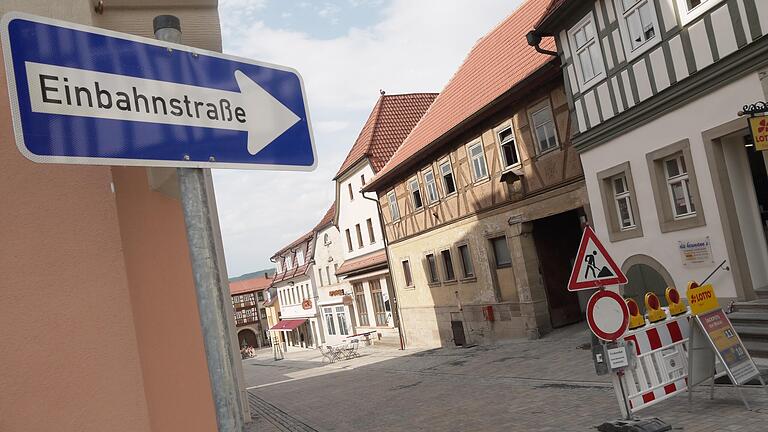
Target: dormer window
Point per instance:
(300, 258)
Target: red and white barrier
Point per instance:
(661, 367)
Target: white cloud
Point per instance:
(416, 46)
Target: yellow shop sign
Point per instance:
(701, 298)
(759, 127)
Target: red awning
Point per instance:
(287, 325)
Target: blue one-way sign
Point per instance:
(90, 96)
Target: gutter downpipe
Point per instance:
(534, 39)
(396, 309)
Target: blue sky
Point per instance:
(346, 51)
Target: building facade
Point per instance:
(113, 322)
(248, 298)
(365, 265)
(299, 316)
(675, 184)
(334, 293)
(483, 203)
(272, 309)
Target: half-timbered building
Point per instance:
(675, 182)
(483, 203)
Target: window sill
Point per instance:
(469, 279)
(642, 49)
(586, 86)
(478, 182)
(410, 287)
(434, 284)
(450, 195)
(514, 167)
(450, 282)
(503, 266)
(548, 151)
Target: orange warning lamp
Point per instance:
(636, 319)
(653, 307)
(676, 307)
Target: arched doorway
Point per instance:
(645, 274)
(247, 337)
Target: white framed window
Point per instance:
(320, 276)
(326, 239)
(393, 210)
(623, 199)
(289, 263)
(359, 233)
(341, 317)
(477, 160)
(300, 258)
(692, 9)
(371, 235)
(446, 172)
(278, 266)
(431, 186)
(349, 240)
(587, 55)
(329, 321)
(639, 26)
(508, 147)
(544, 127)
(679, 188)
(351, 192)
(413, 186)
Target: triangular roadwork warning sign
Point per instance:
(593, 266)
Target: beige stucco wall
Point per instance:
(100, 327)
(520, 307)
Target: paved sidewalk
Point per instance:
(544, 385)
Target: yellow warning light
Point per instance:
(653, 307)
(636, 319)
(676, 307)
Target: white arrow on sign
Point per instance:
(85, 93)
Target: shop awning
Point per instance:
(287, 325)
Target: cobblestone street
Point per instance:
(545, 385)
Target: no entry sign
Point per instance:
(607, 315)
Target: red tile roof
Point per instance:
(391, 120)
(553, 7)
(247, 285)
(496, 63)
(328, 218)
(364, 262)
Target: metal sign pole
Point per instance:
(205, 269)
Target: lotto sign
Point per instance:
(702, 299)
(759, 126)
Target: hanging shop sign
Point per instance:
(759, 127)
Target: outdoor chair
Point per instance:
(350, 350)
(328, 354)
